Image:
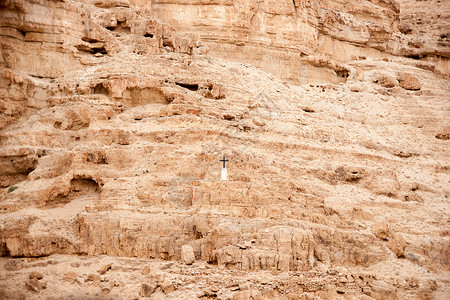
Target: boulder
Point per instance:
(409, 82)
(187, 254)
(36, 275)
(257, 120)
(71, 276)
(248, 295)
(35, 285)
(105, 269)
(386, 80)
(93, 277)
(212, 90)
(167, 286)
(381, 230)
(321, 254)
(397, 244)
(147, 289)
(444, 134)
(383, 290)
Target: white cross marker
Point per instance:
(223, 171)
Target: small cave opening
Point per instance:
(100, 89)
(308, 110)
(22, 32)
(4, 251)
(122, 24)
(342, 73)
(101, 50)
(80, 186)
(417, 57)
(444, 36)
(42, 153)
(198, 235)
(96, 157)
(190, 86)
(84, 186)
(92, 50)
(89, 40)
(121, 27)
(148, 35)
(167, 43)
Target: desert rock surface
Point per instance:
(335, 117)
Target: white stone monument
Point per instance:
(223, 171)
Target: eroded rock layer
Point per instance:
(314, 40)
(114, 116)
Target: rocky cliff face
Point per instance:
(114, 115)
(306, 40)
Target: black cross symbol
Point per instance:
(224, 160)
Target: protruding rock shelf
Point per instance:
(332, 118)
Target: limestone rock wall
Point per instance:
(281, 37)
(113, 116)
(46, 39)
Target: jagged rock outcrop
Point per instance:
(46, 39)
(114, 115)
(280, 36)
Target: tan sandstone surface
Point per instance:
(335, 116)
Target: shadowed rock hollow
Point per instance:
(333, 114)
